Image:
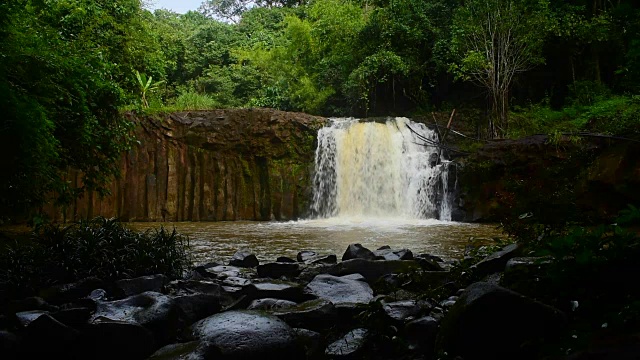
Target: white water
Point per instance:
(370, 170)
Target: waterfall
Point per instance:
(372, 169)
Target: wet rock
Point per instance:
(200, 271)
(46, 335)
(270, 304)
(244, 259)
(24, 318)
(350, 345)
(527, 264)
(384, 247)
(497, 261)
(97, 294)
(222, 272)
(449, 302)
(73, 317)
(421, 334)
(316, 314)
(357, 251)
(236, 281)
(285, 259)
(400, 311)
(189, 287)
(278, 289)
(156, 312)
(339, 290)
(61, 294)
(325, 259)
(128, 287)
(277, 270)
(310, 341)
(429, 264)
(30, 303)
(431, 257)
(246, 334)
(9, 345)
(485, 312)
(390, 254)
(194, 307)
(183, 351)
(372, 270)
(357, 277)
(391, 281)
(304, 256)
(309, 272)
(107, 339)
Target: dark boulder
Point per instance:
(189, 287)
(24, 318)
(74, 317)
(317, 314)
(192, 350)
(390, 254)
(276, 270)
(29, 304)
(357, 251)
(107, 339)
(497, 261)
(247, 334)
(156, 312)
(48, 336)
(270, 304)
(9, 345)
(135, 286)
(340, 290)
(244, 259)
(194, 307)
(310, 341)
(485, 312)
(278, 289)
(429, 264)
(421, 334)
(222, 272)
(349, 346)
(285, 259)
(65, 293)
(323, 259)
(372, 270)
(303, 256)
(401, 311)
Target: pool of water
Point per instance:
(219, 240)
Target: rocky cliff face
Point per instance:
(239, 164)
(590, 176)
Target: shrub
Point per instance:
(101, 247)
(192, 100)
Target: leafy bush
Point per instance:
(615, 115)
(192, 100)
(100, 247)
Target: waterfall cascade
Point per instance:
(371, 169)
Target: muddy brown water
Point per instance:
(212, 241)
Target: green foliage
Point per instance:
(146, 85)
(594, 110)
(100, 247)
(191, 100)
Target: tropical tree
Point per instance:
(495, 40)
(146, 85)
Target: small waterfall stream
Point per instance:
(384, 170)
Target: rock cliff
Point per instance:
(236, 164)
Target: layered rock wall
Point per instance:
(222, 165)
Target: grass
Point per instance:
(103, 248)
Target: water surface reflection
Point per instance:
(268, 240)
